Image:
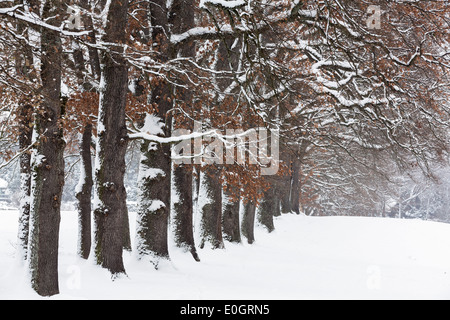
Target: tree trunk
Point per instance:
(183, 210)
(24, 67)
(111, 146)
(47, 164)
(83, 194)
(126, 237)
(94, 60)
(285, 182)
(182, 19)
(295, 186)
(154, 191)
(230, 219)
(296, 177)
(277, 208)
(155, 179)
(83, 191)
(267, 209)
(154, 203)
(211, 211)
(248, 221)
(25, 179)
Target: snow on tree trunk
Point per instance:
(47, 164)
(153, 207)
(83, 193)
(155, 166)
(24, 68)
(110, 193)
(25, 180)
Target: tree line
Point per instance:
(334, 94)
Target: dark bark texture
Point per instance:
(126, 237)
(295, 186)
(284, 185)
(182, 19)
(211, 212)
(183, 210)
(48, 164)
(230, 220)
(112, 144)
(248, 221)
(94, 59)
(296, 176)
(84, 194)
(267, 209)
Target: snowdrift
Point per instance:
(304, 258)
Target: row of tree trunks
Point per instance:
(43, 171)
(219, 219)
(288, 185)
(155, 184)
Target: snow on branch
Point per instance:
(17, 155)
(200, 32)
(229, 30)
(179, 138)
(33, 19)
(229, 4)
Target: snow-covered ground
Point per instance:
(304, 258)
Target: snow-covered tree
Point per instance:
(110, 194)
(352, 90)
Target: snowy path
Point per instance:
(304, 258)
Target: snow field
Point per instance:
(304, 258)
